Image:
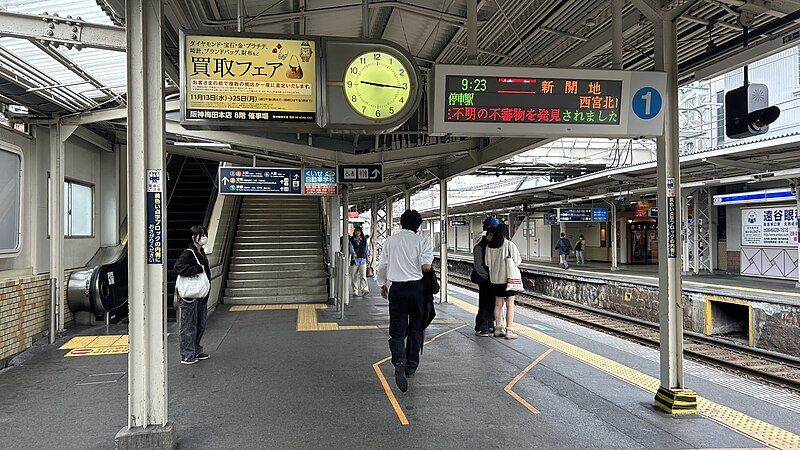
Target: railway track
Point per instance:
(773, 368)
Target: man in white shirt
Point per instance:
(404, 257)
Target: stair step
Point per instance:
(276, 291)
(269, 245)
(277, 266)
(312, 253)
(287, 257)
(288, 239)
(295, 274)
(277, 299)
(285, 231)
(278, 282)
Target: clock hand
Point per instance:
(381, 84)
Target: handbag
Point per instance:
(196, 286)
(370, 272)
(295, 71)
(513, 275)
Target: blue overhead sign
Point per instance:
(583, 214)
(770, 195)
(259, 181)
(599, 214)
(360, 173)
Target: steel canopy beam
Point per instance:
(599, 42)
(62, 30)
(492, 154)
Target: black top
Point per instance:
(187, 266)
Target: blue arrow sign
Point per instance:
(259, 181)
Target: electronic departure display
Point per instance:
(532, 100)
(546, 100)
(539, 102)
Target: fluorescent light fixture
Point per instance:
(202, 144)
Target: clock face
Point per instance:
(377, 85)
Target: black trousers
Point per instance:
(484, 320)
(193, 325)
(406, 305)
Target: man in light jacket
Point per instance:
(405, 256)
(564, 248)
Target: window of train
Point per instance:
(10, 202)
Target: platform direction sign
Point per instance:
(259, 181)
(360, 173)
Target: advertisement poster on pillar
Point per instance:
(245, 79)
(770, 227)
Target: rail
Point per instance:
(772, 367)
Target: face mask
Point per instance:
(204, 240)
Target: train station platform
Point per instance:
(719, 282)
(294, 376)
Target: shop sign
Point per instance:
(770, 227)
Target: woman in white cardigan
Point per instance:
(497, 251)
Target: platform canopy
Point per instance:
(80, 75)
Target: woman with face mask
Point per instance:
(193, 311)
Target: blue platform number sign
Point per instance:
(155, 220)
(646, 103)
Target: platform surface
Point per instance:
(269, 385)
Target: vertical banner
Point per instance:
(155, 226)
(672, 219)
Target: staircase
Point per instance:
(277, 254)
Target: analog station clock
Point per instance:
(377, 85)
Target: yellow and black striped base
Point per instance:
(676, 401)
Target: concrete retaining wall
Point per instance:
(773, 326)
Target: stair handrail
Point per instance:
(175, 183)
(212, 200)
(326, 257)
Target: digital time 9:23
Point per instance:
(473, 84)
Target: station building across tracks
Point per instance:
(209, 228)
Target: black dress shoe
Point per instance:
(410, 373)
(399, 377)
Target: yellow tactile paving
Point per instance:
(114, 344)
(77, 342)
(759, 430)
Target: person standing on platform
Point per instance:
(359, 252)
(405, 256)
(497, 251)
(564, 248)
(484, 320)
(193, 311)
(579, 249)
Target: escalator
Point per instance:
(190, 200)
(103, 285)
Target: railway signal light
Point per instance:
(747, 111)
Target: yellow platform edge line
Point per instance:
(740, 422)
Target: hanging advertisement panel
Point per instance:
(230, 78)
